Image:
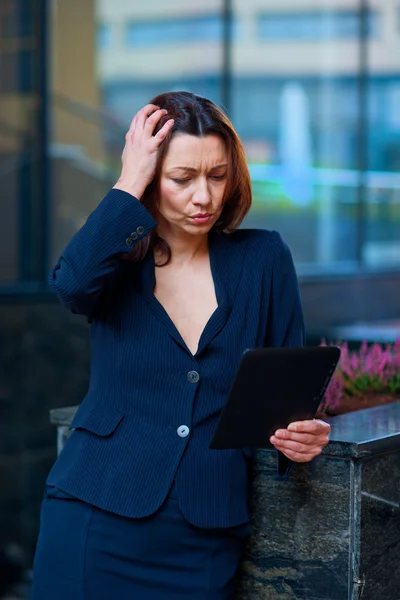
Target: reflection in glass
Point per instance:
(174, 31)
(382, 224)
(133, 53)
(18, 135)
(295, 97)
(298, 103)
(315, 25)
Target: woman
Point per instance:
(137, 506)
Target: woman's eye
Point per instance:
(183, 181)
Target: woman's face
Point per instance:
(192, 183)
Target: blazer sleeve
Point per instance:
(91, 258)
(285, 322)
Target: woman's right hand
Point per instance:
(139, 157)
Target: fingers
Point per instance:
(303, 438)
(165, 129)
(314, 426)
(152, 121)
(140, 118)
(302, 441)
(305, 432)
(146, 121)
(300, 447)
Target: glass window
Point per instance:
(99, 85)
(17, 19)
(315, 25)
(104, 36)
(299, 120)
(304, 118)
(18, 138)
(174, 31)
(322, 134)
(381, 155)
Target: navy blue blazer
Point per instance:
(152, 407)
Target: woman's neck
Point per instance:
(185, 248)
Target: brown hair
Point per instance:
(197, 116)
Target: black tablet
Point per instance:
(272, 388)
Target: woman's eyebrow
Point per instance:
(224, 165)
(193, 170)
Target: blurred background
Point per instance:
(313, 89)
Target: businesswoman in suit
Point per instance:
(137, 506)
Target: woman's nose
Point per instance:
(202, 193)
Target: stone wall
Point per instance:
(44, 362)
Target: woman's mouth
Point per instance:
(201, 218)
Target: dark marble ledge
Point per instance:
(355, 435)
(364, 432)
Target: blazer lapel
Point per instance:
(227, 259)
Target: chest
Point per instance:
(189, 298)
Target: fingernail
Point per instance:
(272, 439)
(279, 433)
(292, 427)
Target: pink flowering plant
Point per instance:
(370, 370)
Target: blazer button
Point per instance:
(140, 230)
(183, 431)
(193, 376)
(134, 235)
(129, 241)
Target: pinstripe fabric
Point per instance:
(125, 451)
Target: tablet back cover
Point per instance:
(274, 387)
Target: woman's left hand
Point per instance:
(303, 440)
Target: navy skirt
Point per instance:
(85, 553)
